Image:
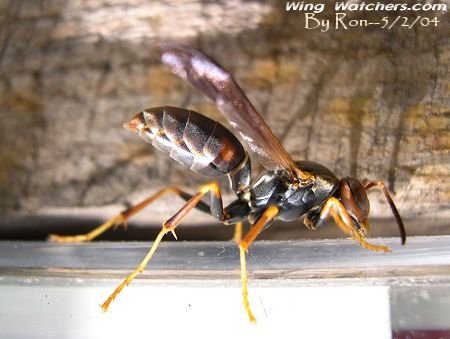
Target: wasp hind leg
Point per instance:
(333, 207)
(216, 209)
(123, 217)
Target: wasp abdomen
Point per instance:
(200, 143)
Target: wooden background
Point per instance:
(366, 102)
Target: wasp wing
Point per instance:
(212, 80)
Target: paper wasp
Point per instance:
(286, 190)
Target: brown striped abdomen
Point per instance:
(202, 144)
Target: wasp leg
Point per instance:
(337, 210)
(122, 217)
(138, 269)
(170, 225)
(244, 279)
(237, 233)
(267, 218)
(216, 206)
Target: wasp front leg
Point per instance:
(334, 208)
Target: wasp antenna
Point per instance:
(380, 185)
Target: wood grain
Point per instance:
(365, 102)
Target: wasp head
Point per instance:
(354, 197)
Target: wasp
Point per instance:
(286, 190)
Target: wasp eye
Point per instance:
(354, 198)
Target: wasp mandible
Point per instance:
(286, 190)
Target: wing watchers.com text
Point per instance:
(362, 6)
(389, 15)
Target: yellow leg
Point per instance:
(117, 220)
(138, 270)
(191, 203)
(237, 233)
(244, 283)
(269, 214)
(244, 279)
(114, 221)
(335, 208)
(168, 226)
